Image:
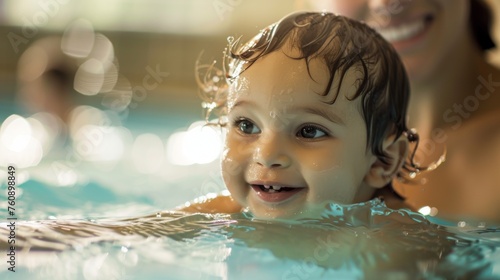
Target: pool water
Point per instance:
(361, 241)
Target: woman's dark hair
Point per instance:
(481, 20)
(341, 44)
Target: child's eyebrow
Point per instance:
(327, 114)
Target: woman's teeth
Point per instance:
(402, 32)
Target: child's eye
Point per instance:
(311, 132)
(246, 126)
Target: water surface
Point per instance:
(361, 241)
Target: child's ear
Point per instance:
(380, 173)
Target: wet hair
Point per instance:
(481, 20)
(341, 44)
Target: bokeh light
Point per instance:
(89, 78)
(148, 153)
(17, 143)
(428, 211)
(100, 143)
(200, 144)
(78, 39)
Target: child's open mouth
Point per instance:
(275, 193)
(273, 189)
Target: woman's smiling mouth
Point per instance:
(404, 35)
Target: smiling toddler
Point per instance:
(314, 112)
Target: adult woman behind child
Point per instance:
(454, 102)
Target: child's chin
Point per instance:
(277, 213)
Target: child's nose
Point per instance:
(272, 152)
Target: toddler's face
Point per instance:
(287, 152)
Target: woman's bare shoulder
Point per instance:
(479, 137)
(212, 203)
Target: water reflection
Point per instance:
(367, 240)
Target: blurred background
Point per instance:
(99, 104)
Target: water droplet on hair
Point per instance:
(230, 39)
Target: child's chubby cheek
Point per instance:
(233, 170)
(321, 165)
(231, 165)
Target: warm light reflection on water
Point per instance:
(428, 211)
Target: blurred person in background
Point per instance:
(455, 100)
(45, 79)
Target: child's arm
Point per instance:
(219, 204)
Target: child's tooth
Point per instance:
(276, 188)
(267, 186)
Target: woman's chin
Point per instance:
(419, 70)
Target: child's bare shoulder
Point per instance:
(393, 201)
(220, 203)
